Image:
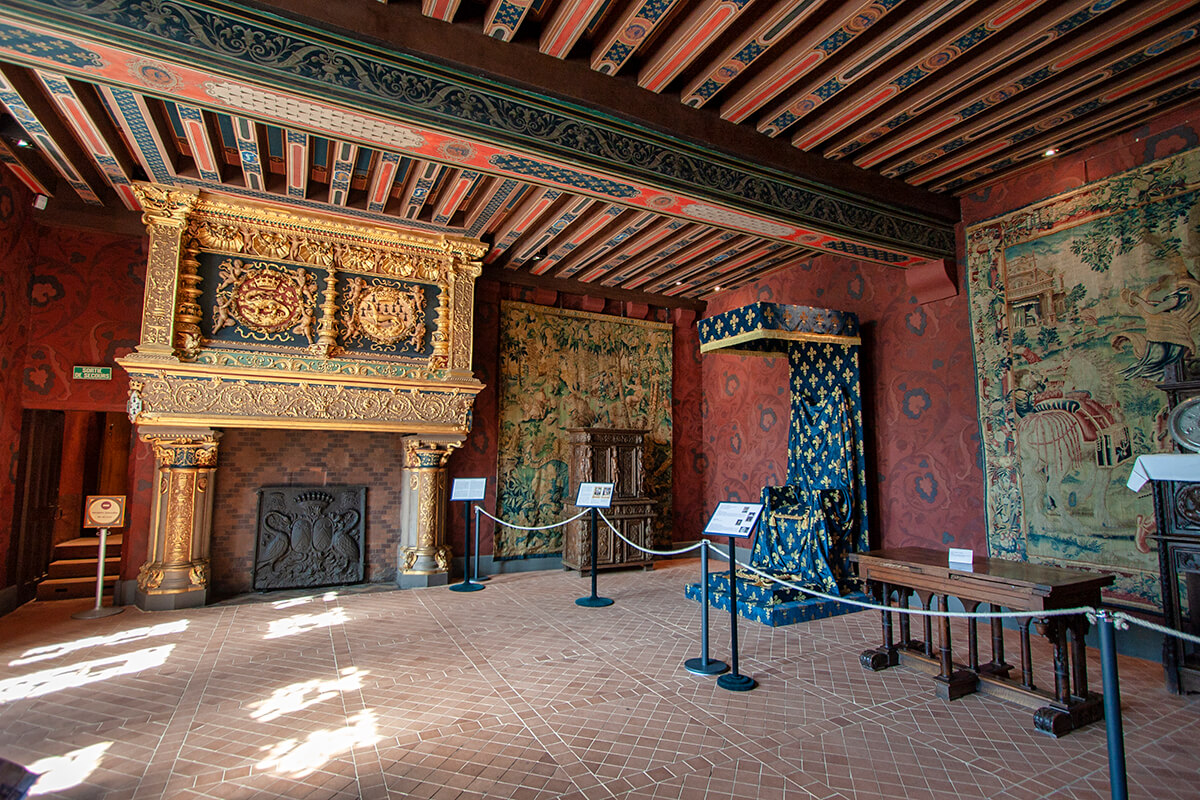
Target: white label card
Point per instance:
(594, 495)
(734, 519)
(468, 489)
(961, 559)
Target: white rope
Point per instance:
(479, 510)
(1121, 616)
(909, 610)
(687, 549)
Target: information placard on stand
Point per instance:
(102, 511)
(594, 495)
(735, 521)
(468, 490)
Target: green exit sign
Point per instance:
(92, 373)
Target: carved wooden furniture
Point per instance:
(603, 455)
(1177, 513)
(1003, 585)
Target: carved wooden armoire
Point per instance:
(1177, 509)
(604, 455)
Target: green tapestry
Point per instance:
(1077, 305)
(563, 369)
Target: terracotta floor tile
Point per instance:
(516, 692)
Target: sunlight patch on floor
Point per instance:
(49, 651)
(301, 623)
(299, 696)
(59, 773)
(298, 758)
(47, 681)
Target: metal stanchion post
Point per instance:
(467, 585)
(704, 665)
(734, 681)
(594, 601)
(99, 611)
(476, 576)
(1112, 706)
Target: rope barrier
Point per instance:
(627, 541)
(1121, 619)
(479, 510)
(1121, 622)
(908, 610)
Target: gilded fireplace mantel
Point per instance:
(255, 316)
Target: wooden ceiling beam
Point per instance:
(1076, 108)
(649, 235)
(783, 17)
(1037, 48)
(815, 48)
(618, 230)
(97, 135)
(571, 18)
(567, 286)
(1046, 85)
(697, 263)
(882, 45)
(1141, 105)
(504, 18)
(699, 248)
(707, 20)
(636, 24)
(653, 249)
(819, 118)
(27, 103)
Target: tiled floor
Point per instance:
(516, 692)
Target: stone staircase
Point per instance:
(73, 568)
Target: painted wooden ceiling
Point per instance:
(944, 94)
(655, 146)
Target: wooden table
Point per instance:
(1003, 585)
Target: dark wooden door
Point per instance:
(36, 507)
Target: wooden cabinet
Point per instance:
(604, 455)
(1177, 510)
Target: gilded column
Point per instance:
(165, 213)
(424, 555)
(176, 572)
(462, 314)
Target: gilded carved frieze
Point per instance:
(246, 303)
(214, 401)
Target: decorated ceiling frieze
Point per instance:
(233, 60)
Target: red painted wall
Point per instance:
(920, 421)
(85, 309)
(17, 247)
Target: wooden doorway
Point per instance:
(36, 507)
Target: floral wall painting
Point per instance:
(561, 369)
(1077, 305)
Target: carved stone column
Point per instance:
(176, 572)
(424, 556)
(165, 213)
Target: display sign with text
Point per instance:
(734, 519)
(104, 511)
(468, 488)
(594, 495)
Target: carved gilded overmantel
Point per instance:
(256, 316)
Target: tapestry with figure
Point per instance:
(1077, 304)
(560, 369)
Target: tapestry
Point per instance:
(562, 369)
(1077, 304)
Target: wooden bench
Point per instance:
(900, 572)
